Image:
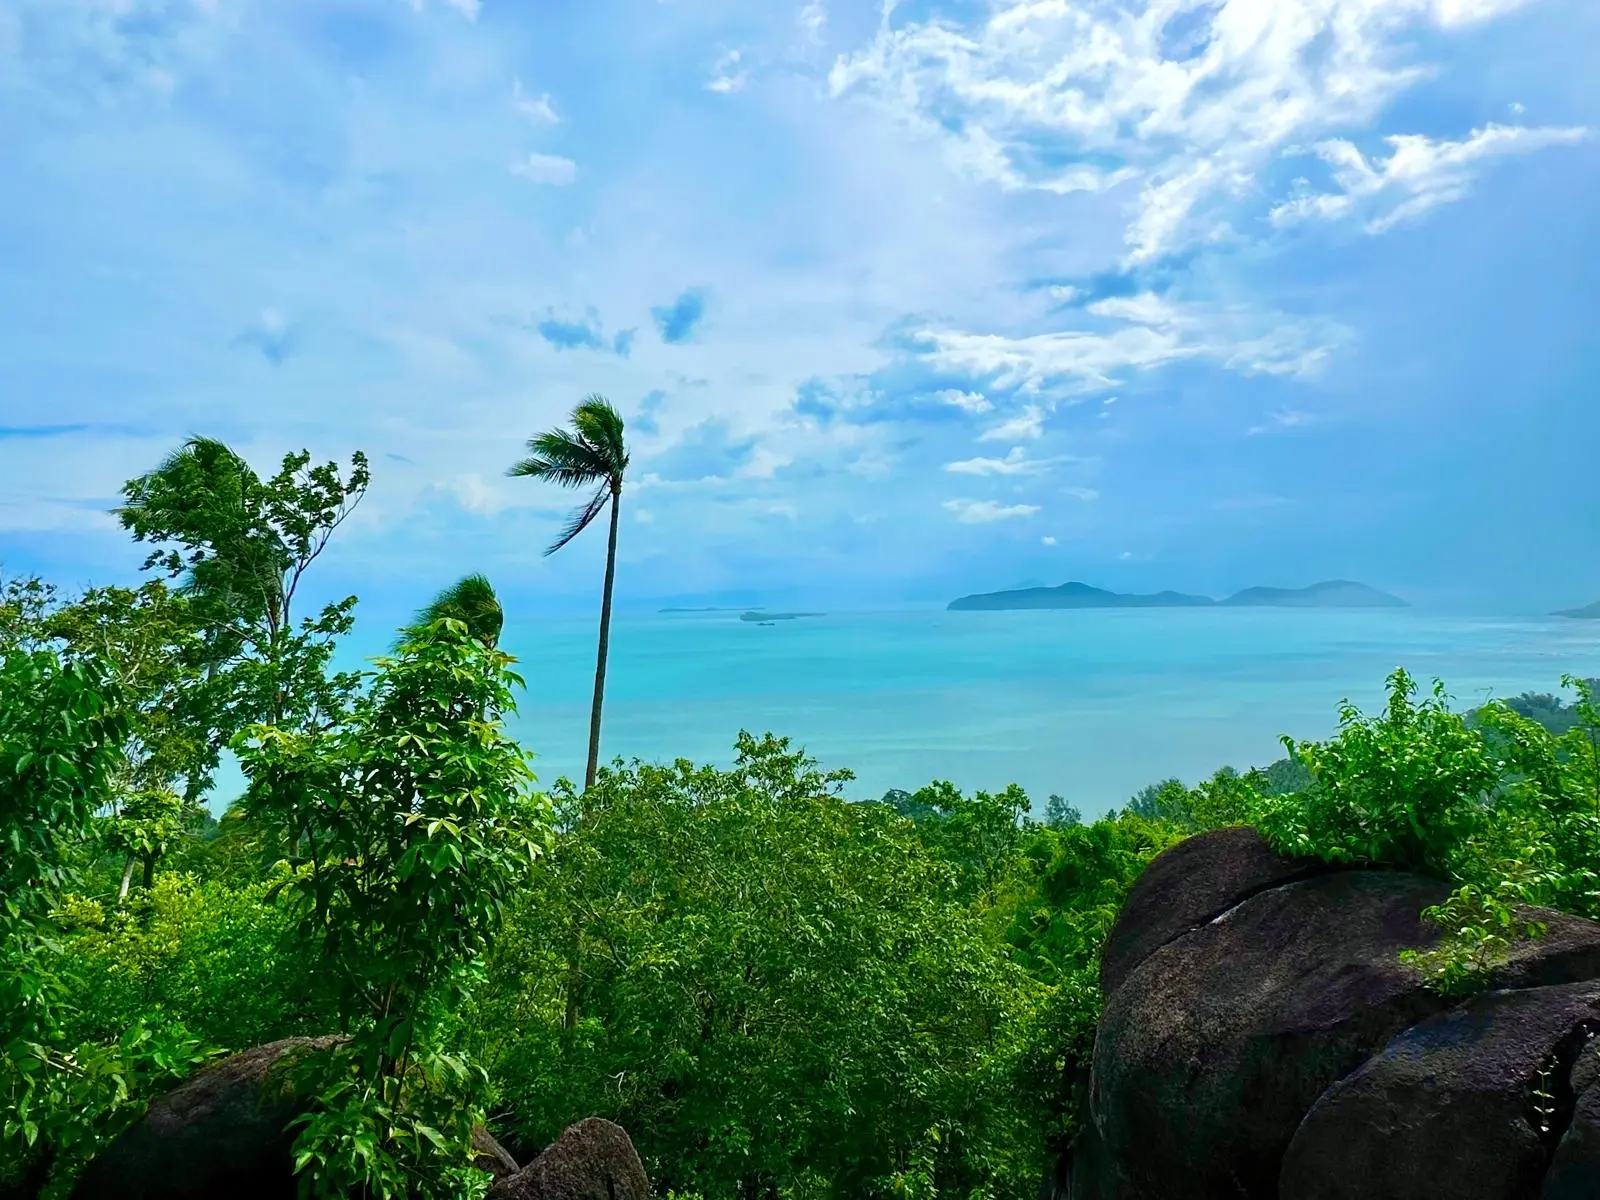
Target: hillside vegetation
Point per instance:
(778, 991)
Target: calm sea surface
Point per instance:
(1090, 704)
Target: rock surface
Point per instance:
(592, 1160)
(1188, 885)
(1219, 1042)
(1452, 1106)
(1261, 1040)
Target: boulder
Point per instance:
(592, 1160)
(219, 1133)
(1467, 1104)
(1219, 1042)
(1243, 990)
(1189, 884)
(223, 1133)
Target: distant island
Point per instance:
(1334, 593)
(1589, 612)
(767, 618)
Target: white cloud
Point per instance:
(811, 18)
(727, 76)
(1014, 463)
(1190, 98)
(1064, 292)
(1143, 309)
(983, 512)
(535, 108)
(970, 402)
(1082, 493)
(1029, 423)
(549, 169)
(1047, 541)
(1419, 174)
(1155, 333)
(467, 8)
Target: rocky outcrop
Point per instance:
(592, 1160)
(1261, 1040)
(223, 1133)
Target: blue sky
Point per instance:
(900, 300)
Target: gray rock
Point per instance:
(592, 1160)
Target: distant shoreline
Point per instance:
(1333, 593)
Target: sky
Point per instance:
(899, 300)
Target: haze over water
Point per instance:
(1089, 704)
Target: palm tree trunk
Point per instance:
(575, 942)
(605, 645)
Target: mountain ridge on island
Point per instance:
(1589, 612)
(1332, 593)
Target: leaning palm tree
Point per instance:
(590, 454)
(470, 600)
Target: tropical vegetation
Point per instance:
(779, 990)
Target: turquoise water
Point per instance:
(1089, 704)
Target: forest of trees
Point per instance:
(776, 990)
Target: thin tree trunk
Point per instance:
(575, 937)
(150, 870)
(127, 878)
(605, 644)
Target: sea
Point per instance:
(1087, 704)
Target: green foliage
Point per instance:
(1058, 814)
(979, 836)
(207, 955)
(240, 546)
(470, 600)
(1497, 805)
(1059, 906)
(409, 824)
(60, 736)
(781, 990)
(151, 641)
(1402, 789)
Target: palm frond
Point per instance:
(581, 517)
(470, 600)
(601, 427)
(562, 458)
(592, 453)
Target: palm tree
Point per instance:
(470, 600)
(590, 454)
